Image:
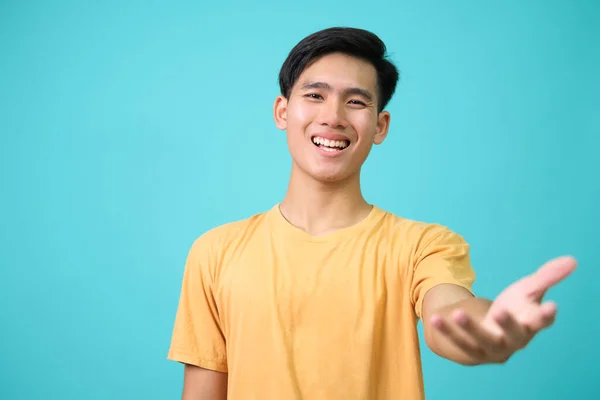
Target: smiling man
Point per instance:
(320, 296)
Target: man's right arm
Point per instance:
(203, 384)
(198, 341)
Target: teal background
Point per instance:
(130, 128)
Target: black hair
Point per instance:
(355, 42)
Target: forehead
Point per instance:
(341, 71)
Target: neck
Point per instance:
(320, 208)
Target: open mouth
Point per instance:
(330, 145)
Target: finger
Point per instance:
(548, 309)
(551, 273)
(516, 335)
(453, 335)
(490, 341)
(541, 317)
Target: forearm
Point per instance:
(477, 308)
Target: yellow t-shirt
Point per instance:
(292, 316)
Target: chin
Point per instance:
(330, 176)
(321, 172)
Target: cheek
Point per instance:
(364, 125)
(301, 115)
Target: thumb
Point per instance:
(549, 274)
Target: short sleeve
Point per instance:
(442, 257)
(197, 337)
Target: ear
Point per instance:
(383, 126)
(280, 112)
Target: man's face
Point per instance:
(331, 117)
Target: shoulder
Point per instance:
(219, 238)
(420, 234)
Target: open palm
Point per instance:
(520, 308)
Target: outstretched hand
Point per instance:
(512, 319)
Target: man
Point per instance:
(319, 297)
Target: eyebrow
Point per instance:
(351, 90)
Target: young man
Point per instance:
(319, 297)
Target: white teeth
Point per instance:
(330, 143)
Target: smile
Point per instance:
(330, 145)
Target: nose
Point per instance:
(332, 114)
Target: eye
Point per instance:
(357, 103)
(315, 96)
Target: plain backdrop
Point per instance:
(129, 128)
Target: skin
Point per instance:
(337, 94)
(203, 384)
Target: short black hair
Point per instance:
(355, 42)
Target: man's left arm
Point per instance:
(471, 330)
